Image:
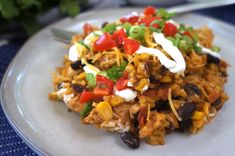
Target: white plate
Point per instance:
(49, 129)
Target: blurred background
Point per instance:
(20, 19)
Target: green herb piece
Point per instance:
(216, 49)
(164, 14)
(110, 28)
(86, 109)
(103, 73)
(91, 80)
(116, 71)
(83, 44)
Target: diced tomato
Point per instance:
(87, 28)
(169, 29)
(118, 36)
(105, 42)
(149, 10)
(102, 91)
(130, 18)
(147, 20)
(104, 86)
(130, 46)
(125, 74)
(142, 116)
(121, 83)
(187, 33)
(86, 96)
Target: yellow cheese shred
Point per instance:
(172, 106)
(148, 114)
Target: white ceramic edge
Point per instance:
(15, 126)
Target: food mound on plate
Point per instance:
(143, 76)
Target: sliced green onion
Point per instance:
(181, 27)
(164, 14)
(135, 32)
(127, 27)
(197, 49)
(110, 28)
(188, 40)
(174, 40)
(159, 22)
(86, 109)
(96, 34)
(91, 80)
(183, 45)
(83, 44)
(216, 49)
(103, 73)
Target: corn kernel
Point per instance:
(104, 110)
(166, 79)
(198, 115)
(116, 100)
(53, 96)
(142, 83)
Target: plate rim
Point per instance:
(20, 131)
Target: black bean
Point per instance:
(76, 65)
(163, 69)
(89, 61)
(186, 111)
(78, 88)
(212, 59)
(191, 88)
(148, 67)
(224, 74)
(162, 105)
(60, 85)
(135, 121)
(216, 103)
(130, 139)
(152, 79)
(184, 125)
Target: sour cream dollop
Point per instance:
(126, 94)
(155, 52)
(173, 51)
(209, 51)
(92, 37)
(74, 54)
